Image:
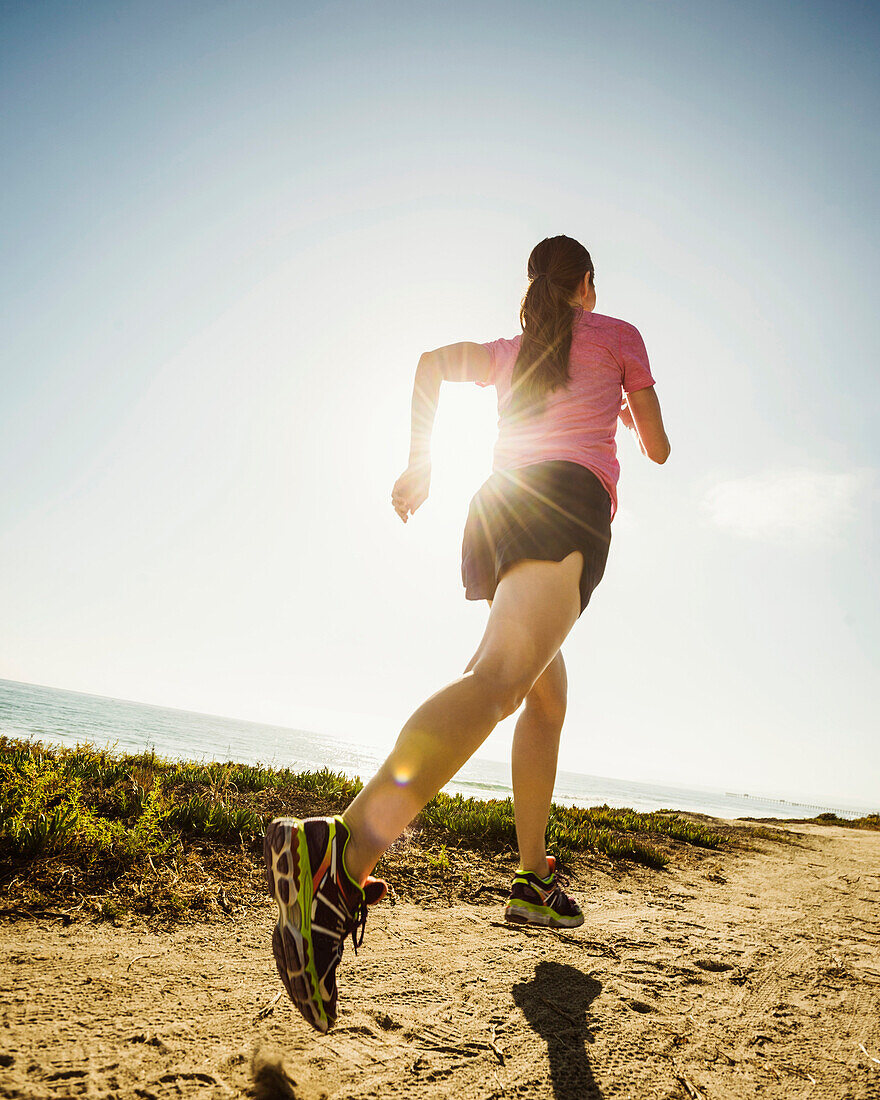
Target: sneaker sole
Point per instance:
(288, 872)
(544, 920)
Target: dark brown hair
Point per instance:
(556, 267)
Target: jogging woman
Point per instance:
(535, 545)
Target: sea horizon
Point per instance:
(68, 717)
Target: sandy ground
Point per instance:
(757, 974)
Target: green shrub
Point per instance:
(99, 805)
(570, 828)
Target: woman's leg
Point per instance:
(533, 763)
(535, 606)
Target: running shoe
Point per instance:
(542, 901)
(319, 904)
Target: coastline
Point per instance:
(28, 710)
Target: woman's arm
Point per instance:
(464, 362)
(646, 420)
(426, 393)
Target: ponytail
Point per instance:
(556, 267)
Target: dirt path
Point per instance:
(756, 975)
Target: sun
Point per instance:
(464, 435)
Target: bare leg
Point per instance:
(439, 737)
(535, 606)
(533, 763)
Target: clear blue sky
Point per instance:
(228, 231)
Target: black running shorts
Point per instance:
(539, 512)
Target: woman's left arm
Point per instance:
(648, 423)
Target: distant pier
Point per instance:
(800, 805)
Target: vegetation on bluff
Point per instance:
(90, 830)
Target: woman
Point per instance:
(535, 546)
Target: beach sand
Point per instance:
(755, 974)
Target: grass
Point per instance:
(571, 829)
(869, 821)
(110, 833)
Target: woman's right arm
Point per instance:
(648, 423)
(463, 362)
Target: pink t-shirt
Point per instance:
(608, 358)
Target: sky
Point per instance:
(229, 231)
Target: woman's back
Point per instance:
(579, 421)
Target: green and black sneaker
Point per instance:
(542, 901)
(319, 904)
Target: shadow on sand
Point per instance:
(555, 1003)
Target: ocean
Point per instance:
(54, 716)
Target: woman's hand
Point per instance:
(411, 489)
(626, 417)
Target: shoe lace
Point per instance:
(358, 924)
(348, 922)
(354, 926)
(562, 884)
